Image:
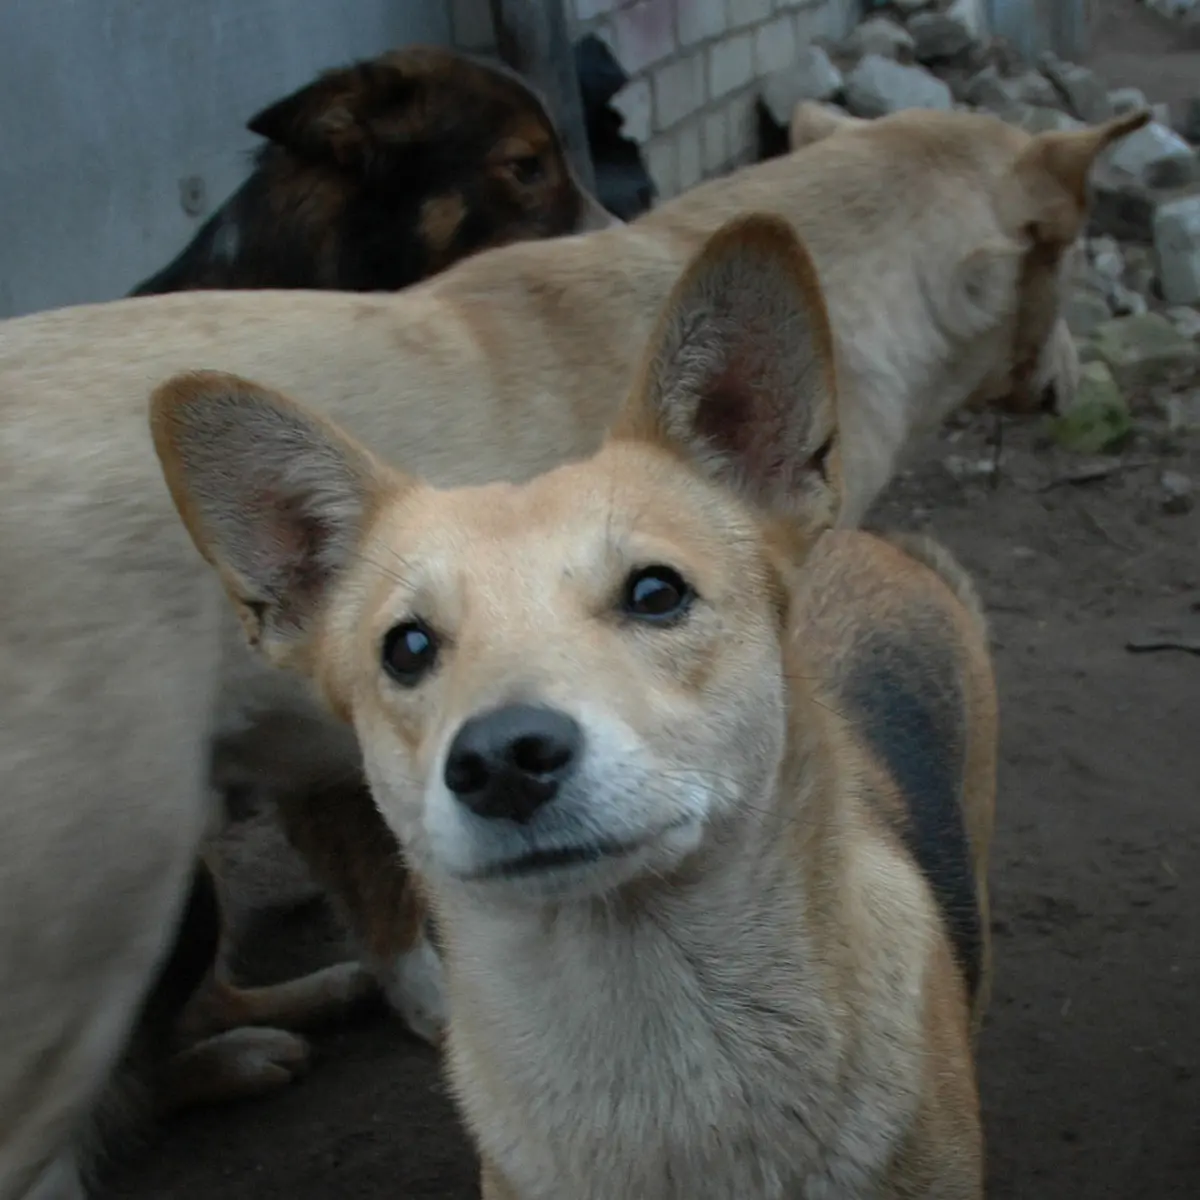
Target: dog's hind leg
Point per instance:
(237, 1064)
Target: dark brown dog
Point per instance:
(384, 172)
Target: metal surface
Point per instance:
(122, 122)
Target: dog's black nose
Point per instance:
(509, 762)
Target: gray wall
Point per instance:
(107, 106)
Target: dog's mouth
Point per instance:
(557, 858)
(552, 859)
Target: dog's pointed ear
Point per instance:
(329, 119)
(274, 497)
(740, 375)
(1053, 172)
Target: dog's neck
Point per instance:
(711, 1006)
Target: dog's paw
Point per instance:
(415, 989)
(237, 1064)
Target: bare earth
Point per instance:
(1090, 1064)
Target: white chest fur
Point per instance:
(601, 1053)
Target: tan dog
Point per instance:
(702, 797)
(936, 237)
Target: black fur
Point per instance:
(913, 721)
(335, 200)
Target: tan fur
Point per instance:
(746, 988)
(507, 365)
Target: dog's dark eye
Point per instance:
(526, 170)
(409, 652)
(656, 594)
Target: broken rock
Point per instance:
(1144, 153)
(1085, 311)
(813, 77)
(941, 35)
(1083, 90)
(1186, 320)
(878, 86)
(1177, 245)
(1127, 100)
(1177, 492)
(1098, 417)
(1144, 350)
(882, 36)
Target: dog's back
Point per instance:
(896, 635)
(381, 173)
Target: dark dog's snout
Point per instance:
(510, 761)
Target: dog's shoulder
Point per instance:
(894, 630)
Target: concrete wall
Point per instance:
(122, 122)
(695, 66)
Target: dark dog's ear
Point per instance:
(330, 118)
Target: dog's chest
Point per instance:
(641, 1079)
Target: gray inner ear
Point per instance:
(745, 382)
(282, 505)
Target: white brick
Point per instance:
(716, 142)
(730, 65)
(700, 20)
(746, 12)
(687, 149)
(471, 22)
(662, 163)
(775, 46)
(636, 104)
(645, 34)
(678, 91)
(589, 10)
(743, 128)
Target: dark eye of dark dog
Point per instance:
(527, 169)
(658, 595)
(409, 652)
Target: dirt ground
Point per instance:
(1090, 1062)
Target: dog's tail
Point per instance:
(932, 554)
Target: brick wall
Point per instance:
(695, 66)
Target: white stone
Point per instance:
(1127, 99)
(812, 77)
(1107, 260)
(881, 36)
(878, 86)
(1140, 152)
(1177, 244)
(635, 103)
(940, 35)
(1186, 320)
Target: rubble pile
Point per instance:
(1134, 306)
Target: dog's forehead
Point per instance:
(578, 522)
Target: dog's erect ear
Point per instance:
(813, 122)
(740, 375)
(1053, 173)
(274, 498)
(329, 120)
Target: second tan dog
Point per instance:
(937, 238)
(702, 791)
